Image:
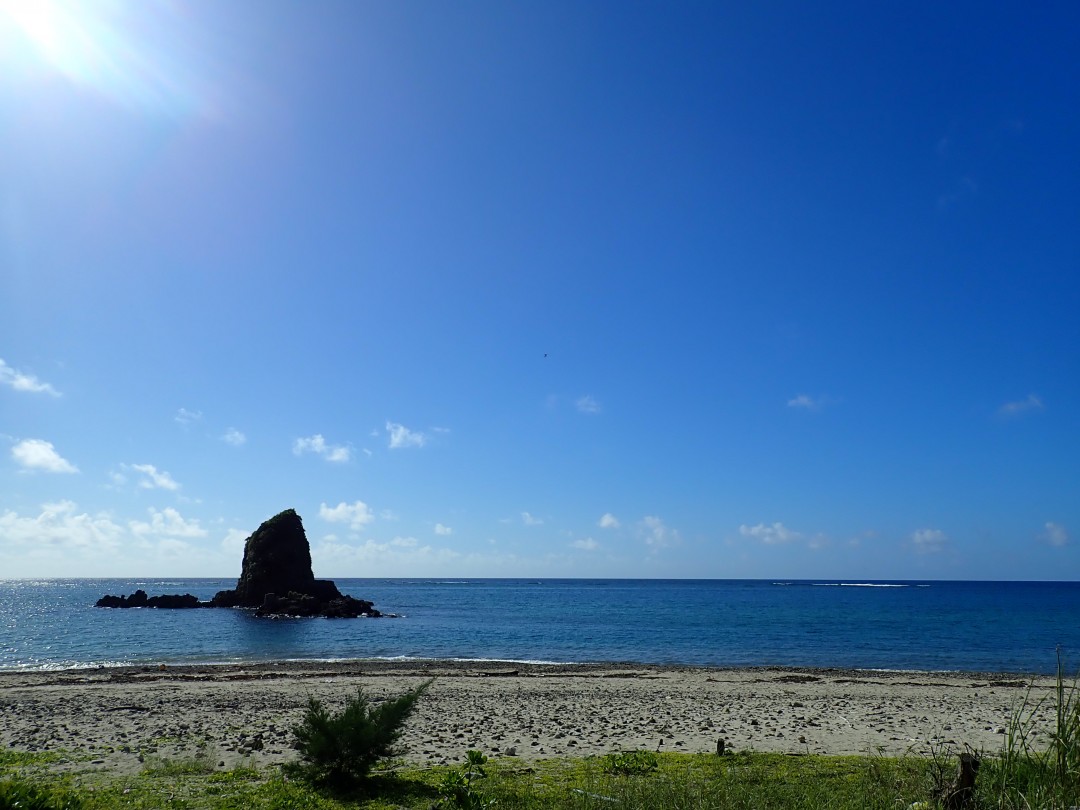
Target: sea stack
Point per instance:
(277, 579)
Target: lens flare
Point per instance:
(134, 53)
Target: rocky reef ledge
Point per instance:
(276, 580)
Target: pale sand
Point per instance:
(118, 719)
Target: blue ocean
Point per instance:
(929, 626)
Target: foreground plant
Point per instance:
(16, 795)
(1029, 775)
(339, 750)
(629, 763)
(457, 786)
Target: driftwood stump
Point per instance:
(960, 793)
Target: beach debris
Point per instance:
(597, 796)
(960, 792)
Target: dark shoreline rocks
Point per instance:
(276, 580)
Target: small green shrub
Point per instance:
(339, 750)
(629, 763)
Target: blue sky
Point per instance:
(541, 289)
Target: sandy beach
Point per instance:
(119, 718)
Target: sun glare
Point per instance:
(122, 50)
(56, 32)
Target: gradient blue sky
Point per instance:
(541, 289)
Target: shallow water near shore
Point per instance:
(929, 626)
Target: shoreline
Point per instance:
(401, 662)
(118, 718)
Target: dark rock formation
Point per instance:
(302, 604)
(277, 578)
(171, 601)
(277, 559)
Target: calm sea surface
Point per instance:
(965, 626)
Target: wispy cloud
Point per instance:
(186, 417)
(357, 514)
(1056, 534)
(964, 188)
(27, 383)
(808, 403)
(443, 530)
(770, 535)
(529, 520)
(657, 534)
(317, 444)
(929, 541)
(401, 436)
(38, 454)
(608, 521)
(152, 477)
(588, 405)
(1029, 404)
(233, 542)
(167, 523)
(234, 437)
(586, 544)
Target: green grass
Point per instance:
(678, 781)
(670, 781)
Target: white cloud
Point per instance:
(152, 477)
(928, 541)
(167, 523)
(59, 525)
(234, 541)
(807, 402)
(317, 444)
(443, 530)
(529, 520)
(658, 535)
(357, 514)
(24, 382)
(374, 558)
(769, 535)
(38, 454)
(1056, 534)
(588, 404)
(1027, 405)
(401, 436)
(186, 417)
(586, 544)
(608, 521)
(234, 437)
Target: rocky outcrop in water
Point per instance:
(276, 580)
(140, 599)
